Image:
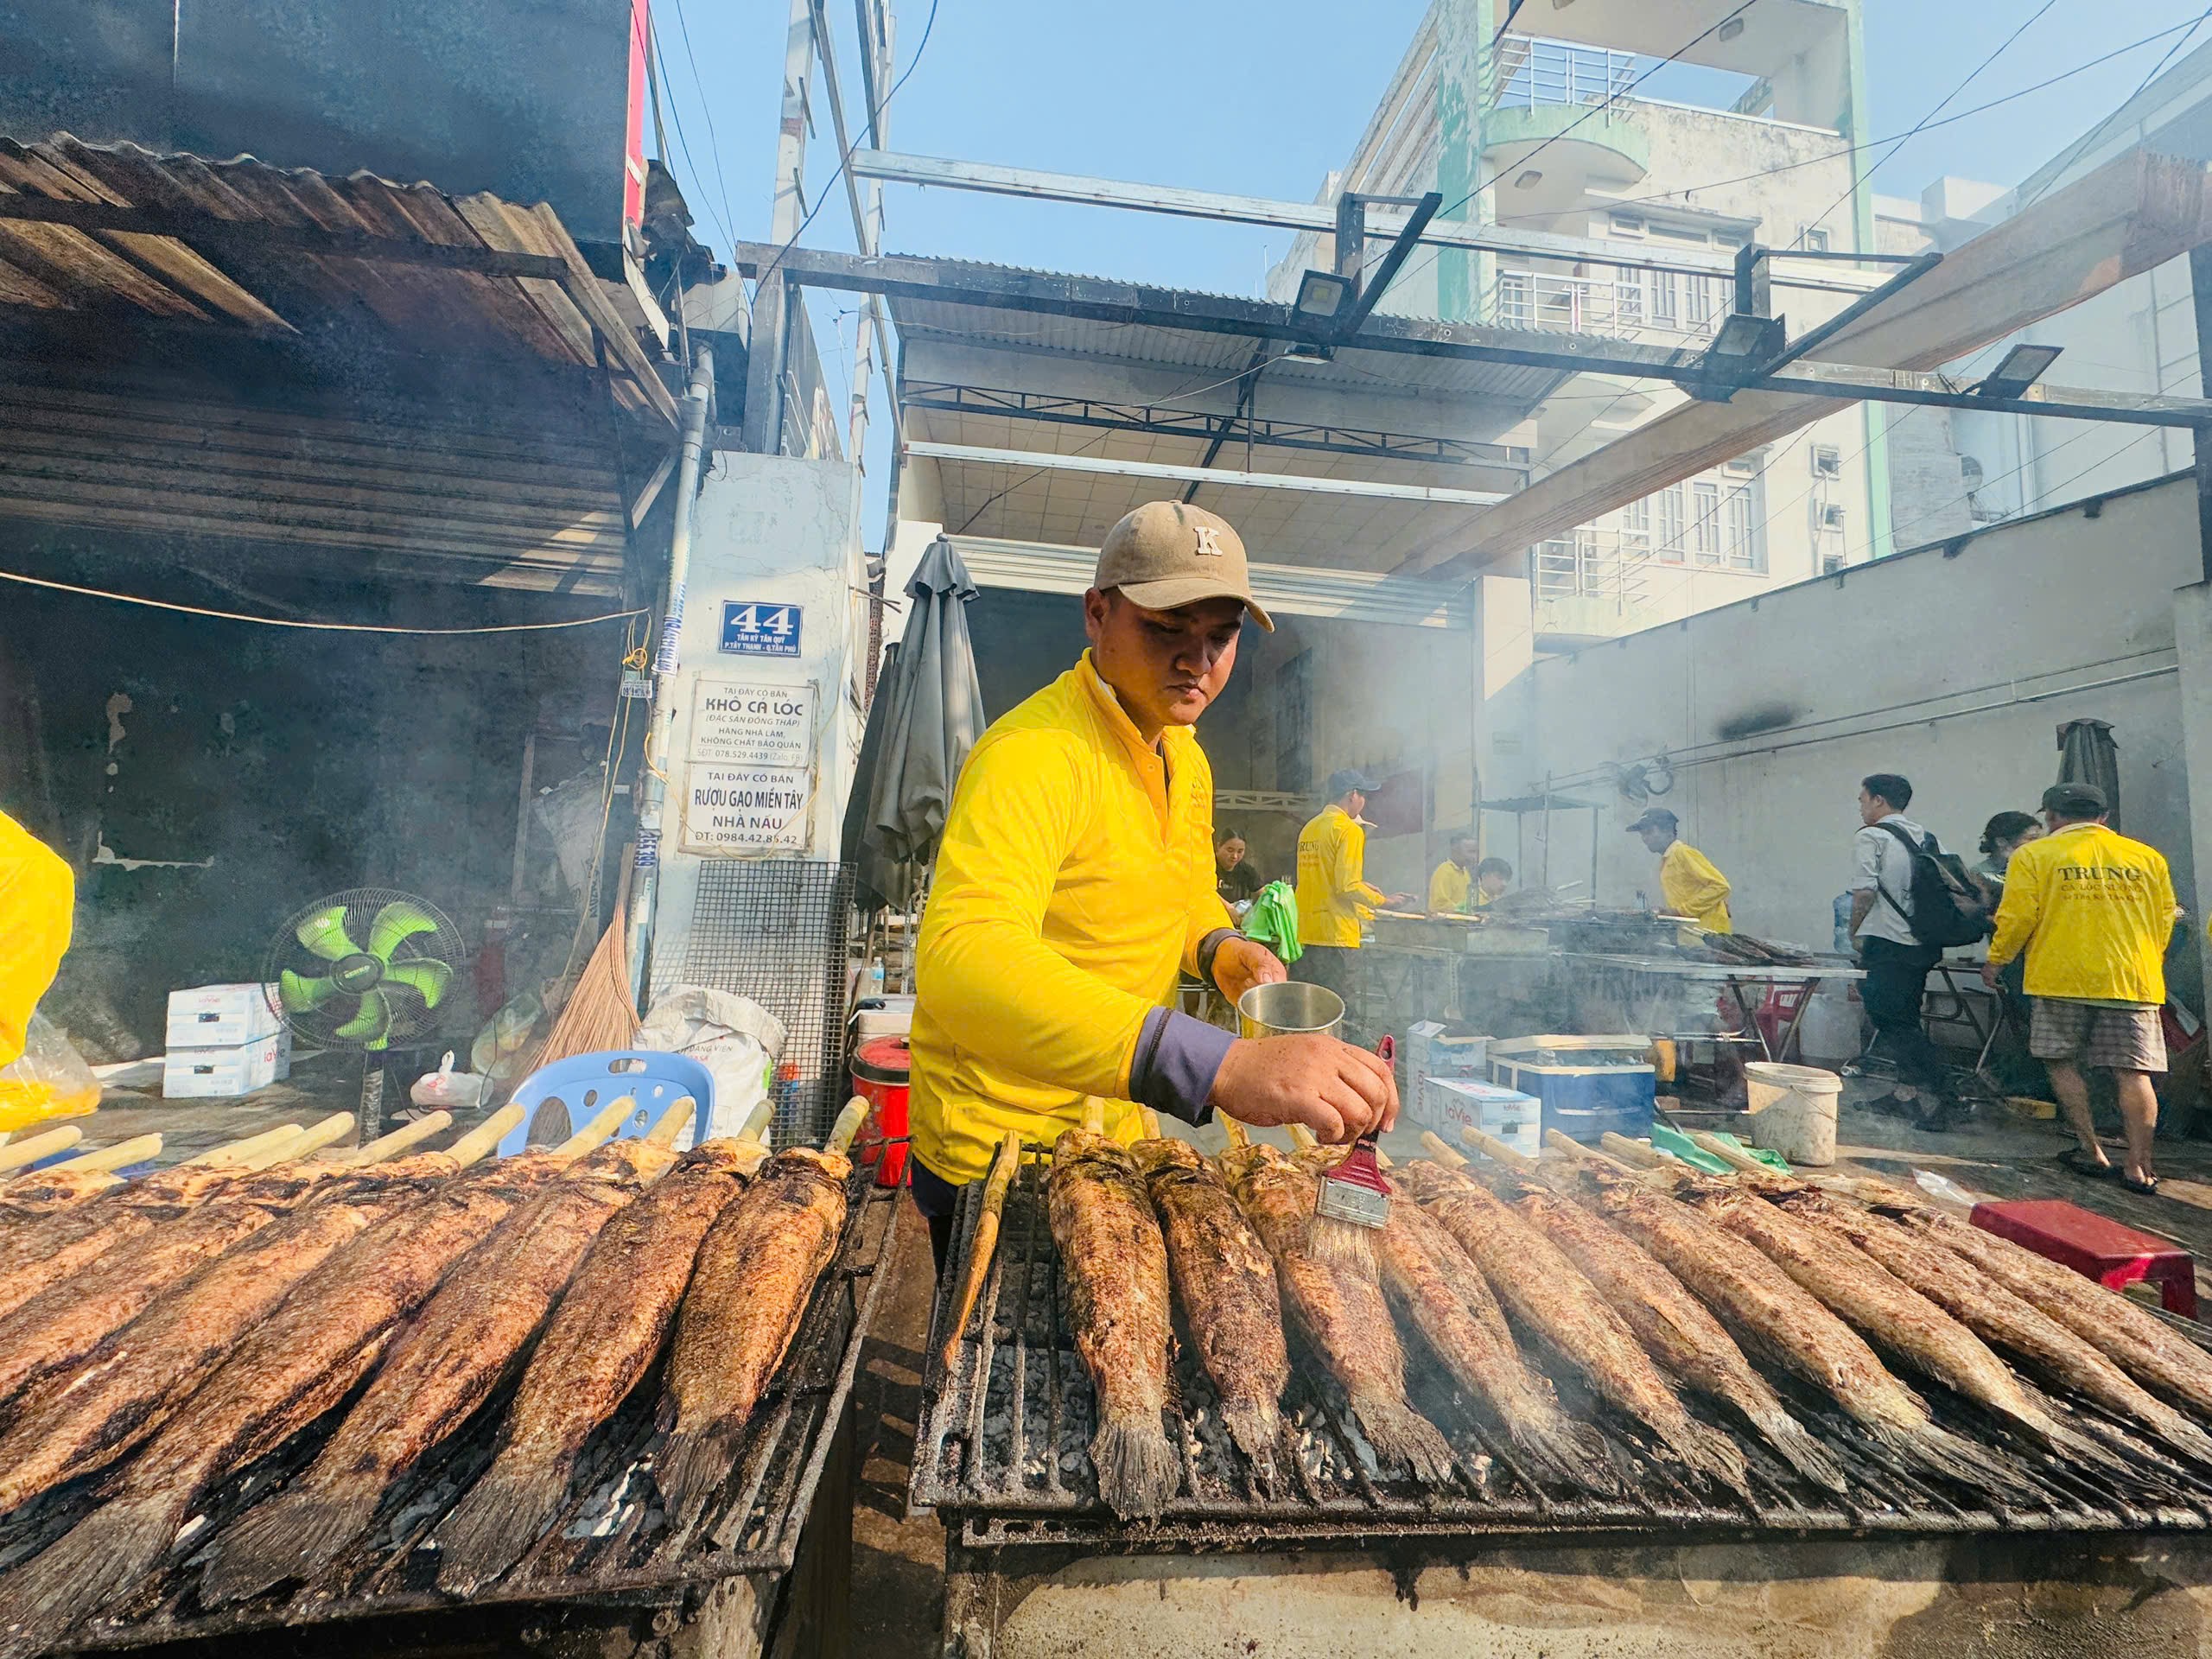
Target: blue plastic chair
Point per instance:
(561, 1098)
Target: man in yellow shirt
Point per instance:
(1334, 896)
(1074, 880)
(1688, 884)
(1466, 881)
(36, 890)
(2094, 910)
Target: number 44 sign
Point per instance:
(753, 628)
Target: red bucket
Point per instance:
(881, 1069)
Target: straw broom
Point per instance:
(599, 1014)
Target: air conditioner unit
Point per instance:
(1831, 564)
(1831, 517)
(1827, 460)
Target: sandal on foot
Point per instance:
(2082, 1164)
(2148, 1187)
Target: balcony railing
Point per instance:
(1589, 564)
(1672, 304)
(1526, 73)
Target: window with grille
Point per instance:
(1636, 529)
(1740, 531)
(1670, 523)
(1705, 522)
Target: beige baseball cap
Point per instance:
(1167, 554)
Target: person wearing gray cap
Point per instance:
(2094, 910)
(1690, 884)
(1075, 881)
(1334, 896)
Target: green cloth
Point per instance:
(1666, 1140)
(1273, 920)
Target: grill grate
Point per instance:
(610, 1544)
(778, 932)
(1003, 1452)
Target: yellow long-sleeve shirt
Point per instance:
(1691, 886)
(36, 892)
(1333, 896)
(2094, 910)
(1448, 888)
(1074, 879)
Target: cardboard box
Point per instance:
(1434, 1050)
(1451, 1104)
(222, 1016)
(224, 1073)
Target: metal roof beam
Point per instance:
(1042, 461)
(1177, 202)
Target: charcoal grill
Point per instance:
(1003, 1456)
(610, 1548)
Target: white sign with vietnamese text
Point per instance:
(740, 810)
(742, 723)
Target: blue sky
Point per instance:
(1263, 97)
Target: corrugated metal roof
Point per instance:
(104, 230)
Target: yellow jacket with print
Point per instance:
(1449, 889)
(1333, 897)
(1074, 880)
(2094, 910)
(1692, 886)
(36, 890)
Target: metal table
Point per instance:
(1638, 975)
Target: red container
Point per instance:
(881, 1070)
(2096, 1246)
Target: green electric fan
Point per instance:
(367, 969)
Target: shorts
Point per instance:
(2125, 1039)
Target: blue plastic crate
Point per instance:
(1590, 1086)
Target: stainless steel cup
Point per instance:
(1291, 1006)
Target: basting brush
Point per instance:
(1351, 1204)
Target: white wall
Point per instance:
(1955, 670)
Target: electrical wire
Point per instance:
(323, 627)
(2159, 68)
(651, 43)
(706, 108)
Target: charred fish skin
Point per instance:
(74, 1424)
(1114, 1262)
(297, 1365)
(1224, 1281)
(1344, 1317)
(451, 1357)
(755, 1275)
(1543, 1290)
(1674, 1326)
(601, 1341)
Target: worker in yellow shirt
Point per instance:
(1466, 881)
(36, 893)
(1334, 896)
(1075, 881)
(2094, 910)
(1688, 884)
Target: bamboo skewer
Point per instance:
(1238, 1135)
(1731, 1157)
(1637, 1152)
(1094, 1115)
(987, 1239)
(1442, 1150)
(856, 1113)
(673, 1121)
(232, 1151)
(123, 1153)
(327, 1132)
(1496, 1151)
(1150, 1120)
(485, 1136)
(390, 1146)
(44, 1144)
(597, 1131)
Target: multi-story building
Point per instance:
(1657, 129)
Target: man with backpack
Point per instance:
(2094, 910)
(1910, 901)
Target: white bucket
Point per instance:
(1793, 1110)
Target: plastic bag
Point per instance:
(51, 1080)
(1273, 920)
(738, 1041)
(447, 1090)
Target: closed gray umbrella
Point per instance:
(2087, 754)
(928, 714)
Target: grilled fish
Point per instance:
(41, 1253)
(46, 1192)
(755, 1275)
(1224, 1281)
(1885, 1311)
(1345, 1318)
(73, 1423)
(1998, 1316)
(2128, 1336)
(602, 1339)
(1114, 1262)
(286, 1372)
(1541, 1287)
(1436, 1289)
(444, 1365)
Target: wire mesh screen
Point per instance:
(776, 930)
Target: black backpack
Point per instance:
(1948, 906)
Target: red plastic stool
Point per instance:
(2095, 1245)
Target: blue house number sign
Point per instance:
(754, 628)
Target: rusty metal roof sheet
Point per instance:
(104, 230)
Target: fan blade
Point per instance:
(426, 978)
(397, 921)
(324, 933)
(300, 994)
(372, 1022)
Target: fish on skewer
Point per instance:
(1674, 1326)
(1999, 1317)
(286, 1372)
(1542, 1289)
(1224, 1281)
(466, 1340)
(71, 1181)
(1114, 1262)
(603, 1340)
(1344, 1315)
(756, 1273)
